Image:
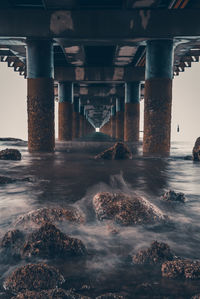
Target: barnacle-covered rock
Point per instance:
(173, 196)
(125, 209)
(33, 277)
(117, 152)
(10, 154)
(181, 269)
(50, 242)
(157, 253)
(40, 216)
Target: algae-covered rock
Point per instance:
(50, 242)
(125, 209)
(10, 154)
(117, 152)
(157, 253)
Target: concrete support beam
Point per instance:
(158, 97)
(132, 111)
(40, 100)
(75, 119)
(65, 98)
(95, 24)
(119, 120)
(99, 74)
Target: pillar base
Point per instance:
(120, 125)
(75, 125)
(157, 116)
(40, 105)
(64, 121)
(131, 122)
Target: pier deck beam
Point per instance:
(65, 97)
(132, 111)
(158, 97)
(40, 95)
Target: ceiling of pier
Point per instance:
(98, 66)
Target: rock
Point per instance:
(181, 269)
(10, 154)
(197, 296)
(125, 209)
(7, 180)
(111, 296)
(117, 152)
(189, 158)
(50, 242)
(39, 217)
(157, 253)
(173, 196)
(33, 277)
(49, 294)
(196, 150)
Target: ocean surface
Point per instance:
(72, 176)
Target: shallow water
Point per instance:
(74, 177)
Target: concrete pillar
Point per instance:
(113, 121)
(75, 119)
(158, 97)
(119, 120)
(40, 95)
(81, 120)
(65, 98)
(132, 111)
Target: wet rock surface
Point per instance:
(197, 296)
(49, 294)
(39, 217)
(173, 196)
(157, 253)
(33, 277)
(117, 152)
(126, 210)
(10, 154)
(50, 242)
(181, 269)
(196, 150)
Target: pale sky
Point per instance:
(185, 109)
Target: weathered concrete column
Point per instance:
(113, 121)
(119, 120)
(158, 97)
(65, 97)
(75, 119)
(81, 120)
(40, 95)
(132, 111)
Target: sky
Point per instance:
(185, 104)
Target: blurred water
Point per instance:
(68, 177)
